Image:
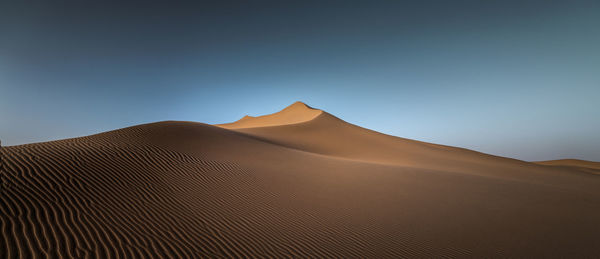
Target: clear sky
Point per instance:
(512, 78)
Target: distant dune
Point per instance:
(297, 183)
(582, 165)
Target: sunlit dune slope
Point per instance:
(296, 113)
(307, 187)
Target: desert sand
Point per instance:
(297, 183)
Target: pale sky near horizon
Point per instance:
(513, 78)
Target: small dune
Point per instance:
(300, 183)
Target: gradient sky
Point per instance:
(512, 78)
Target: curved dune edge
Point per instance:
(298, 112)
(191, 190)
(582, 165)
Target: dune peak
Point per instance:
(297, 112)
(300, 104)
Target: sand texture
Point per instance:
(300, 183)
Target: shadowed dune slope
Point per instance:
(192, 190)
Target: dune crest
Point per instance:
(298, 112)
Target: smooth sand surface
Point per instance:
(299, 183)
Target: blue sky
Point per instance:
(512, 78)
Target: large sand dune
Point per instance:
(298, 183)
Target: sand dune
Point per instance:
(298, 183)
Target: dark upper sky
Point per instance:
(512, 78)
